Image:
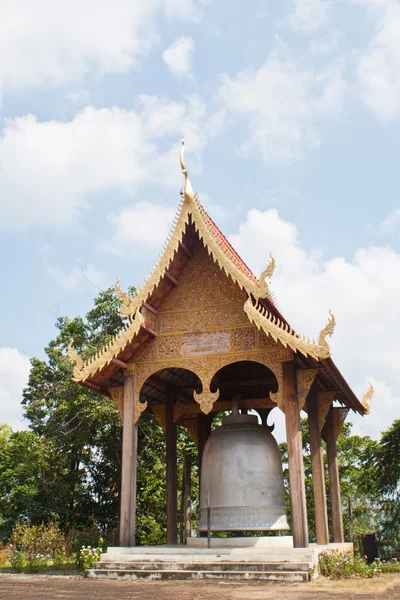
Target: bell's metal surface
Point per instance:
(242, 471)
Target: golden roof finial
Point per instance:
(367, 397)
(127, 307)
(188, 193)
(73, 357)
(264, 279)
(327, 331)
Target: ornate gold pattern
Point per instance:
(325, 400)
(244, 339)
(265, 277)
(280, 331)
(305, 379)
(117, 394)
(325, 332)
(168, 345)
(265, 341)
(367, 397)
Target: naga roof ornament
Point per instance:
(327, 331)
(367, 397)
(265, 277)
(128, 306)
(190, 210)
(283, 333)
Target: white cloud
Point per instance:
(309, 16)
(283, 103)
(79, 97)
(47, 43)
(178, 56)
(379, 66)
(326, 43)
(14, 373)
(50, 168)
(363, 293)
(391, 222)
(138, 228)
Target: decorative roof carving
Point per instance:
(266, 275)
(281, 332)
(327, 331)
(188, 193)
(191, 210)
(367, 397)
(127, 306)
(83, 370)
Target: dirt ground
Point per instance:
(31, 587)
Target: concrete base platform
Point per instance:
(282, 541)
(258, 561)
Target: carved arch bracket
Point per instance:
(206, 398)
(325, 400)
(206, 367)
(117, 394)
(305, 379)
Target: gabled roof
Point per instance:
(259, 306)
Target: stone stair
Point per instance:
(182, 563)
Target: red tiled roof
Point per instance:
(228, 250)
(234, 257)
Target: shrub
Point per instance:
(6, 552)
(35, 545)
(89, 537)
(337, 565)
(389, 566)
(88, 556)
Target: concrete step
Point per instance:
(177, 574)
(251, 556)
(202, 566)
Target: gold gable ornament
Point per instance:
(367, 397)
(265, 277)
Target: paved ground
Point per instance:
(23, 587)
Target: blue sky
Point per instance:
(291, 114)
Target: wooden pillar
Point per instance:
(318, 474)
(334, 484)
(172, 520)
(185, 529)
(295, 457)
(129, 466)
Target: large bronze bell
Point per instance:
(241, 477)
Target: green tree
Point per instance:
(69, 462)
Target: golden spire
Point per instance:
(327, 331)
(264, 279)
(367, 397)
(188, 193)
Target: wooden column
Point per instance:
(185, 529)
(295, 457)
(334, 484)
(171, 471)
(318, 474)
(129, 466)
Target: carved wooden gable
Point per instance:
(203, 327)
